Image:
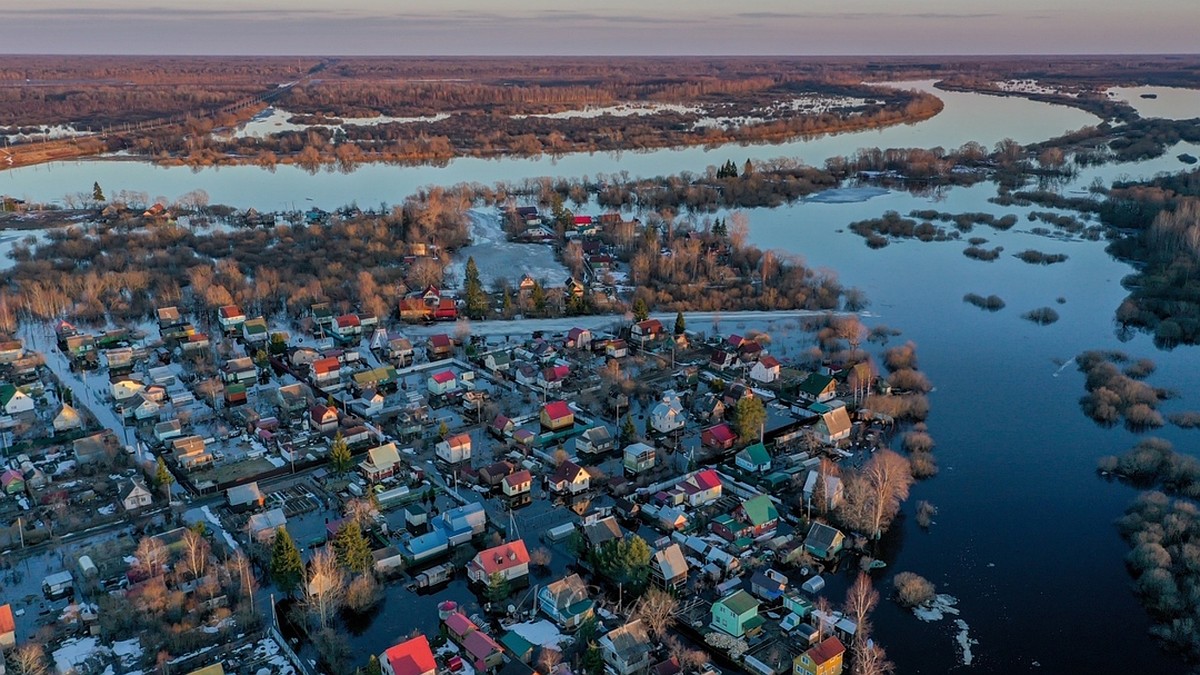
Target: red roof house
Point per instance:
(510, 560)
(719, 436)
(557, 415)
(413, 657)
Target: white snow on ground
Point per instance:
(540, 633)
(275, 120)
(619, 110)
(849, 195)
(269, 650)
(216, 523)
(129, 651)
(75, 652)
(498, 258)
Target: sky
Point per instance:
(604, 27)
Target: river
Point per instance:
(966, 117)
(1024, 538)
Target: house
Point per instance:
(710, 407)
(569, 478)
(753, 459)
(122, 390)
(11, 350)
(326, 372)
(439, 347)
(637, 458)
(765, 370)
(722, 360)
(400, 351)
(702, 487)
(292, 398)
(165, 431)
(668, 415)
(441, 383)
(574, 288)
(616, 349)
(485, 653)
(817, 388)
(509, 560)
(412, 657)
(381, 462)
(8, 628)
(190, 453)
(494, 474)
(579, 338)
(454, 449)
(824, 542)
(231, 318)
(254, 331)
(383, 377)
(245, 497)
(552, 377)
(594, 441)
(235, 395)
(557, 415)
(718, 437)
(67, 419)
(262, 526)
(736, 391)
(834, 424)
(737, 614)
(501, 426)
(134, 495)
(323, 418)
(646, 331)
(347, 328)
(497, 362)
(12, 482)
(669, 569)
(834, 491)
(823, 659)
(94, 448)
(566, 601)
(760, 513)
(461, 523)
(626, 650)
(768, 584)
(446, 310)
(517, 483)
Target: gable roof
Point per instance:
(513, 480)
(443, 377)
(557, 410)
(815, 383)
(567, 471)
(756, 454)
(722, 432)
(384, 455)
(670, 561)
(704, 480)
(828, 649)
(760, 510)
(630, 641)
(412, 657)
(502, 557)
(769, 361)
(822, 536)
(740, 602)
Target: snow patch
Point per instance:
(541, 633)
(937, 609)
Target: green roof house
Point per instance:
(824, 541)
(760, 513)
(737, 614)
(753, 459)
(817, 388)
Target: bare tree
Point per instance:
(324, 588)
(889, 476)
(656, 609)
(30, 659)
(872, 660)
(195, 548)
(548, 659)
(151, 556)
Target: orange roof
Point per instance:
(830, 648)
(502, 557)
(323, 366)
(413, 657)
(7, 625)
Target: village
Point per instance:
(624, 495)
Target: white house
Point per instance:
(765, 370)
(570, 478)
(833, 490)
(441, 383)
(135, 496)
(125, 389)
(14, 400)
(668, 415)
(455, 449)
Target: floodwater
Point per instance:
(1024, 537)
(1173, 103)
(966, 117)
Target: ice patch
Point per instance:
(964, 641)
(540, 633)
(937, 610)
(851, 195)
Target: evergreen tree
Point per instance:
(339, 455)
(592, 662)
(287, 568)
(680, 324)
(163, 478)
(749, 415)
(628, 431)
(497, 587)
(97, 193)
(720, 229)
(640, 311)
(747, 169)
(353, 550)
(373, 667)
(625, 561)
(443, 430)
(538, 296)
(508, 304)
(477, 300)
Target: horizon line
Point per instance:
(609, 56)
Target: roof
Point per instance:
(516, 644)
(821, 535)
(480, 644)
(459, 441)
(412, 657)
(348, 321)
(630, 641)
(837, 421)
(7, 392)
(502, 557)
(740, 602)
(230, 311)
(815, 383)
(769, 361)
(567, 591)
(244, 494)
(722, 433)
(760, 510)
(757, 454)
(706, 479)
(670, 561)
(440, 340)
(567, 471)
(828, 649)
(515, 479)
(443, 377)
(326, 365)
(557, 410)
(459, 624)
(650, 326)
(7, 625)
(605, 529)
(269, 520)
(384, 455)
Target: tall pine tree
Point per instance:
(287, 568)
(339, 455)
(352, 548)
(477, 300)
